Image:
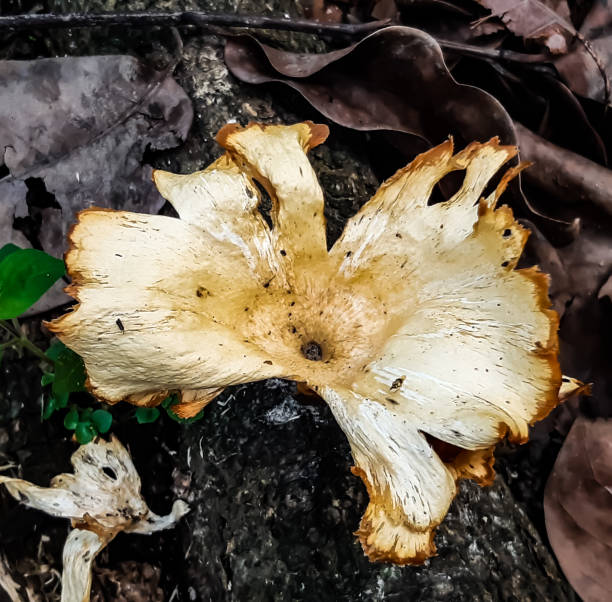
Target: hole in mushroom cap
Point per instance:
(446, 187)
(312, 351)
(265, 204)
(109, 472)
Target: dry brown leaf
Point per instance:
(585, 57)
(579, 271)
(588, 67)
(547, 22)
(578, 508)
(394, 79)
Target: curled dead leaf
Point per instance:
(394, 79)
(587, 68)
(547, 22)
(578, 508)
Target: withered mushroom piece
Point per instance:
(415, 327)
(102, 498)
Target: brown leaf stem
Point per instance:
(197, 18)
(564, 174)
(211, 21)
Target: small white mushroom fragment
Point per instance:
(102, 498)
(416, 327)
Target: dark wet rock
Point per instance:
(275, 505)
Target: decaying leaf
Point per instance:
(578, 508)
(580, 270)
(394, 79)
(101, 498)
(416, 328)
(584, 58)
(82, 124)
(547, 22)
(588, 67)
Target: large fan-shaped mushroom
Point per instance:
(415, 327)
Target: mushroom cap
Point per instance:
(416, 327)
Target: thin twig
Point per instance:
(492, 53)
(21, 341)
(563, 174)
(4, 325)
(35, 350)
(9, 343)
(197, 18)
(213, 21)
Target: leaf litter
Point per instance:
(78, 128)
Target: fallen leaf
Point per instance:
(102, 498)
(578, 508)
(584, 58)
(394, 79)
(547, 22)
(587, 68)
(82, 124)
(579, 272)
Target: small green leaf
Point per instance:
(146, 415)
(25, 275)
(84, 432)
(71, 419)
(55, 402)
(61, 399)
(169, 401)
(49, 408)
(7, 249)
(55, 349)
(47, 378)
(102, 420)
(69, 369)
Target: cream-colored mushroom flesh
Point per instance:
(416, 327)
